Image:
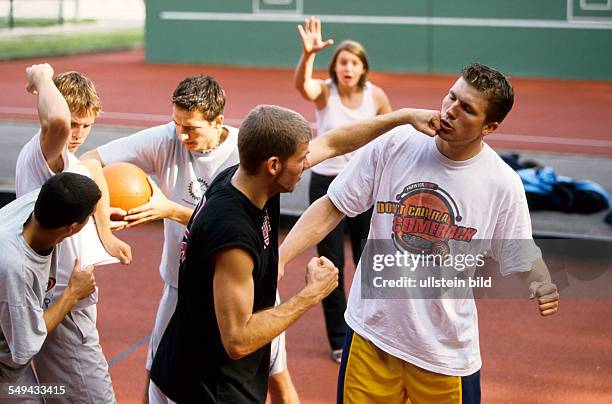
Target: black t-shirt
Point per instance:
(191, 364)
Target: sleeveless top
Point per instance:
(336, 114)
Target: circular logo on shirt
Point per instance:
(425, 218)
(197, 188)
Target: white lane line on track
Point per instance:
(502, 137)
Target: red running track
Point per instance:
(566, 116)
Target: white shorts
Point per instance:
(72, 356)
(167, 306)
(278, 350)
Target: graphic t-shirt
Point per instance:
(425, 203)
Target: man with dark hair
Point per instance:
(32, 226)
(217, 346)
(185, 155)
(68, 105)
(433, 196)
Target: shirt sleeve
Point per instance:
(32, 169)
(23, 327)
(353, 190)
(141, 148)
(513, 246)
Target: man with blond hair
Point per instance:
(67, 108)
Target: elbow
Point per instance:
(235, 350)
(235, 345)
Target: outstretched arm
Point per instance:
(315, 223)
(242, 331)
(312, 42)
(352, 136)
(53, 114)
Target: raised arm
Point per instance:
(53, 114)
(312, 42)
(242, 331)
(352, 136)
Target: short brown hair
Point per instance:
(268, 131)
(200, 93)
(494, 86)
(79, 92)
(356, 49)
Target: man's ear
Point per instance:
(218, 121)
(274, 165)
(489, 128)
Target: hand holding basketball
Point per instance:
(128, 186)
(158, 207)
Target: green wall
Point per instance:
(550, 38)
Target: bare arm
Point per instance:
(541, 287)
(242, 331)
(92, 155)
(115, 247)
(312, 42)
(53, 114)
(383, 106)
(315, 223)
(81, 284)
(352, 136)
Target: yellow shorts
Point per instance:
(370, 375)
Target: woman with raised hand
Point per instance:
(344, 97)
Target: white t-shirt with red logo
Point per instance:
(425, 202)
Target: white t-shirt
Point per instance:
(421, 197)
(183, 176)
(24, 278)
(336, 114)
(32, 171)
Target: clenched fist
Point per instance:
(321, 277)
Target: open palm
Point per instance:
(312, 39)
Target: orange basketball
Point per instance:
(127, 185)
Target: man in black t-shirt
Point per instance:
(217, 345)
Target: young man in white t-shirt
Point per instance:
(185, 155)
(67, 108)
(433, 196)
(32, 227)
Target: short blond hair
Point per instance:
(79, 92)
